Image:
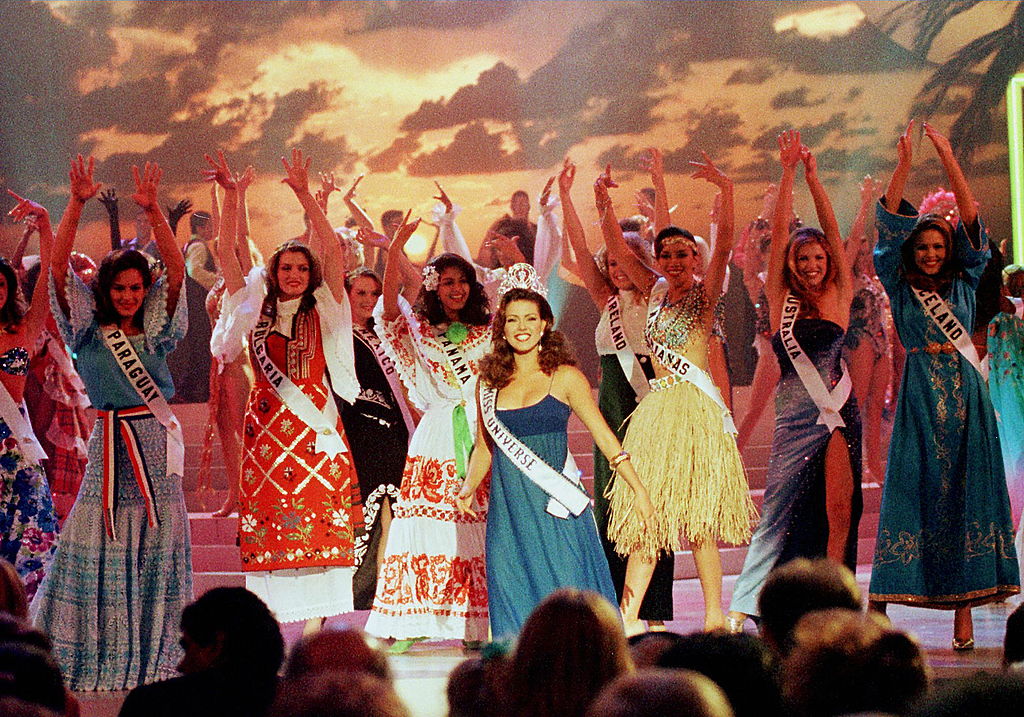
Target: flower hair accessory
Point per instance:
(430, 277)
(522, 276)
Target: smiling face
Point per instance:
(677, 260)
(524, 326)
(363, 296)
(453, 291)
(811, 264)
(618, 276)
(292, 274)
(930, 251)
(127, 293)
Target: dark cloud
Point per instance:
(756, 75)
(473, 150)
(390, 159)
(866, 48)
(853, 94)
(496, 95)
(797, 97)
(814, 134)
(856, 162)
(450, 13)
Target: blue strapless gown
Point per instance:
(530, 553)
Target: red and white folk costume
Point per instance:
(299, 506)
(433, 582)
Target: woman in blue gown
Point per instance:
(538, 539)
(812, 499)
(945, 538)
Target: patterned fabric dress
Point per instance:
(28, 523)
(112, 606)
(433, 581)
(1006, 384)
(945, 539)
(299, 508)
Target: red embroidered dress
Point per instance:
(432, 581)
(297, 506)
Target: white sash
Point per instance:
(829, 403)
(1018, 304)
(566, 494)
(387, 366)
(678, 365)
(327, 438)
(20, 428)
(936, 308)
(625, 354)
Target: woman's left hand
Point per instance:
(298, 172)
(643, 507)
(708, 171)
(464, 501)
(146, 185)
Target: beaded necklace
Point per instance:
(677, 319)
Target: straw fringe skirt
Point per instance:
(692, 471)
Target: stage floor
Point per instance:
(421, 673)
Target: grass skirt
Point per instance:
(692, 471)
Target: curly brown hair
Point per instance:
(808, 295)
(499, 365)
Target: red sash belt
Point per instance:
(116, 422)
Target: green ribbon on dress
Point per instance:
(463, 439)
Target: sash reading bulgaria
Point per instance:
(566, 495)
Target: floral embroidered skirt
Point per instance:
(433, 581)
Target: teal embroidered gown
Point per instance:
(945, 538)
(531, 553)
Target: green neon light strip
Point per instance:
(1015, 129)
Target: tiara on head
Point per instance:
(430, 277)
(522, 276)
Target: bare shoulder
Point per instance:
(568, 381)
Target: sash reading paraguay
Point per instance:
(940, 312)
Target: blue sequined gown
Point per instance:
(794, 522)
(531, 553)
(945, 539)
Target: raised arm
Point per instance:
(965, 203)
(361, 217)
(586, 266)
(322, 238)
(147, 184)
(242, 250)
(82, 190)
(642, 277)
(392, 282)
(858, 230)
(715, 275)
(36, 216)
(177, 212)
(109, 201)
(655, 164)
(827, 220)
(898, 181)
(775, 289)
(31, 227)
(227, 256)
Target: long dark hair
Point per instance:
(914, 276)
(113, 264)
(808, 295)
(316, 277)
(476, 312)
(13, 310)
(498, 366)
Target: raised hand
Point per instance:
(351, 193)
(82, 186)
(566, 176)
(545, 194)
(708, 171)
(28, 211)
(506, 247)
(870, 188)
(443, 198)
(904, 148)
(605, 178)
(654, 162)
(941, 142)
(298, 172)
(327, 183)
(147, 183)
(370, 238)
(175, 213)
(404, 232)
(219, 171)
(601, 185)
(108, 199)
(243, 180)
(789, 148)
(810, 163)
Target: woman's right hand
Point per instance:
(82, 187)
(566, 176)
(789, 148)
(464, 501)
(404, 233)
(219, 171)
(643, 506)
(442, 197)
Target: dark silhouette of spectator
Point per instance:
(30, 674)
(12, 592)
(658, 692)
(475, 685)
(233, 650)
(741, 665)
(13, 707)
(344, 650)
(845, 662)
(983, 694)
(797, 588)
(648, 647)
(1013, 641)
(338, 694)
(570, 647)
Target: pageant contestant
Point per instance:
(681, 437)
(945, 538)
(625, 370)
(378, 426)
(28, 522)
(113, 598)
(812, 497)
(432, 580)
(541, 534)
(299, 498)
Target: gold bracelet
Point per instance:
(621, 458)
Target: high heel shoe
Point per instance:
(963, 645)
(734, 624)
